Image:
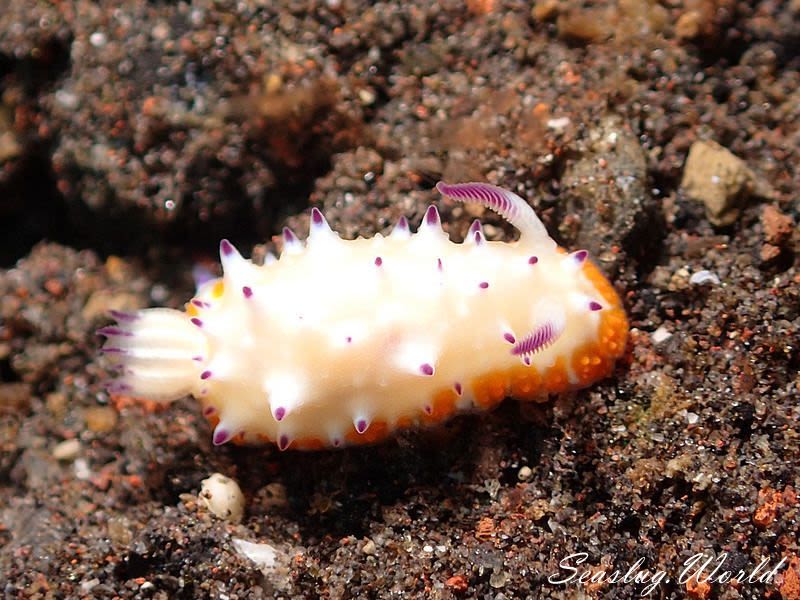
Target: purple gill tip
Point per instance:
(402, 224)
(361, 425)
(316, 217)
(280, 413)
(283, 442)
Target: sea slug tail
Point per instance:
(505, 203)
(156, 351)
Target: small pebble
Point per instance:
(369, 547)
(223, 497)
(67, 450)
(703, 278)
(524, 473)
(101, 419)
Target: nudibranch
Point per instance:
(342, 342)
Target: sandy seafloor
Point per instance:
(136, 134)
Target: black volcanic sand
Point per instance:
(135, 135)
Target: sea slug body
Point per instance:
(341, 342)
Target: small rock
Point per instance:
(524, 473)
(67, 450)
(723, 182)
(777, 226)
(703, 278)
(661, 334)
(688, 25)
(223, 497)
(101, 419)
(369, 547)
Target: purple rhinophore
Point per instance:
(509, 337)
(361, 425)
(121, 315)
(457, 387)
(533, 260)
(226, 248)
(283, 442)
(205, 375)
(280, 412)
(109, 331)
(196, 321)
(426, 369)
(432, 216)
(538, 339)
(595, 306)
(482, 193)
(316, 217)
(247, 291)
(483, 285)
(378, 261)
(221, 435)
(580, 255)
(288, 236)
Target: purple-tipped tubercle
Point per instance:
(283, 442)
(426, 369)
(457, 387)
(247, 291)
(428, 409)
(432, 217)
(226, 248)
(205, 374)
(113, 350)
(439, 264)
(111, 331)
(208, 411)
(580, 255)
(280, 413)
(361, 425)
(593, 306)
(289, 236)
(378, 261)
(533, 260)
(316, 217)
(197, 322)
(402, 225)
(509, 337)
(121, 315)
(221, 436)
(483, 285)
